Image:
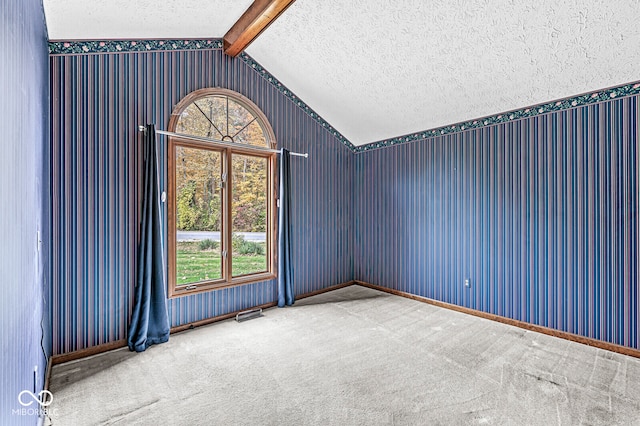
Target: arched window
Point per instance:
(221, 193)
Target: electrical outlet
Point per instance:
(467, 282)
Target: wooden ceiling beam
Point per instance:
(253, 21)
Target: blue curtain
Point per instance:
(285, 272)
(150, 321)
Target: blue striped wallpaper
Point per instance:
(71, 47)
(97, 102)
(25, 332)
(542, 214)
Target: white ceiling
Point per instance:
(376, 69)
(134, 19)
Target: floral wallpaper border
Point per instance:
(289, 94)
(536, 110)
(118, 46)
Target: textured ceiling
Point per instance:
(376, 69)
(124, 19)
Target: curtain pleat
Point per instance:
(149, 320)
(285, 272)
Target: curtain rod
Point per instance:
(219, 142)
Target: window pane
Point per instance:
(249, 214)
(198, 215)
(205, 117)
(221, 118)
(244, 127)
(251, 135)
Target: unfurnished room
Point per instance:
(304, 212)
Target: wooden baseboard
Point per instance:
(211, 320)
(527, 326)
(206, 321)
(47, 373)
(83, 353)
(325, 290)
(118, 344)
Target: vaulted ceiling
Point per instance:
(376, 69)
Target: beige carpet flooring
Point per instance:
(353, 356)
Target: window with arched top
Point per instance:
(221, 193)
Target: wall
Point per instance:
(542, 214)
(97, 102)
(24, 326)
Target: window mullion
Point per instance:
(227, 226)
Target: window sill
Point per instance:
(217, 285)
